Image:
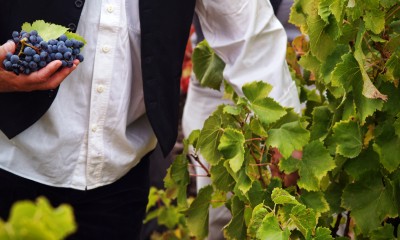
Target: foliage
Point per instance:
(161, 207)
(348, 135)
(38, 220)
(50, 31)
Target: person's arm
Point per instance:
(46, 78)
(252, 42)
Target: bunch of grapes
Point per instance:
(33, 53)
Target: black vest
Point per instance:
(164, 33)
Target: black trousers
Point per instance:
(114, 211)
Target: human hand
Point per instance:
(49, 77)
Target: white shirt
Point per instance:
(97, 130)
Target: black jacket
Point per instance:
(164, 32)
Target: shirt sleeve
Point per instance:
(252, 42)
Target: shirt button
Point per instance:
(94, 128)
(100, 88)
(72, 26)
(105, 49)
(78, 3)
(110, 8)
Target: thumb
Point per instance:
(5, 48)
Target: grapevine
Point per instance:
(346, 181)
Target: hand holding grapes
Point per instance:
(46, 78)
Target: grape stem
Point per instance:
(24, 45)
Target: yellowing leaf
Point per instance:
(46, 30)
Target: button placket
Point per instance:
(100, 97)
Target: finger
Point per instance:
(56, 79)
(41, 76)
(6, 48)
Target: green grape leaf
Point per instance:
(150, 215)
(322, 35)
(383, 233)
(322, 233)
(304, 218)
(270, 229)
(323, 10)
(333, 196)
(171, 188)
(315, 164)
(388, 3)
(71, 35)
(47, 31)
(179, 170)
(257, 128)
(375, 20)
(281, 196)
(346, 72)
(232, 148)
(329, 65)
(396, 126)
(41, 220)
(387, 146)
(310, 62)
(289, 137)
(299, 11)
(289, 165)
(236, 228)
(393, 65)
(257, 194)
(258, 214)
(221, 178)
(207, 66)
(209, 138)
(392, 106)
(169, 217)
(267, 110)
(232, 110)
(322, 118)
(367, 161)
(198, 212)
(370, 200)
(256, 90)
(337, 8)
(393, 43)
(347, 136)
(315, 200)
(192, 140)
(152, 199)
(243, 180)
(180, 175)
(365, 106)
(218, 198)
